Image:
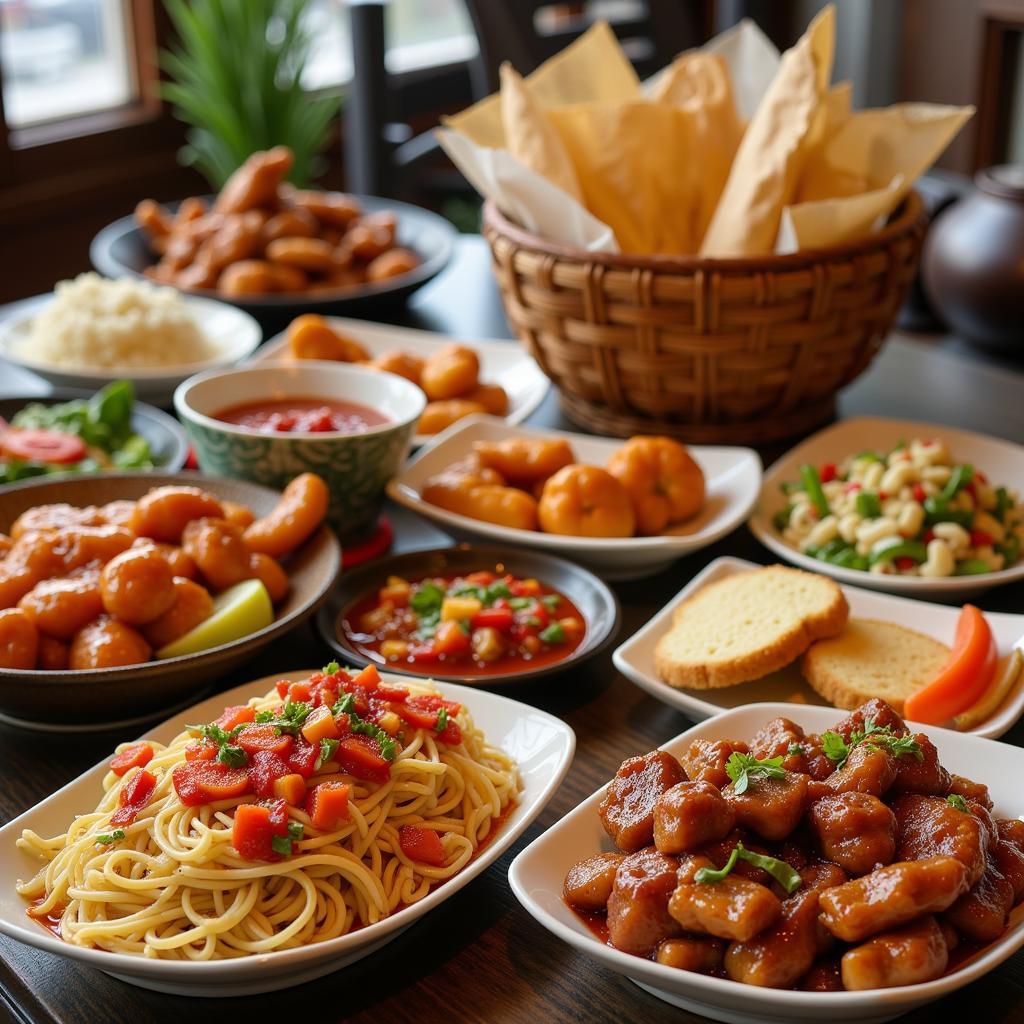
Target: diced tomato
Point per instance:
(418, 718)
(343, 724)
(501, 602)
(883, 496)
(291, 788)
(397, 595)
(327, 805)
(234, 716)
(852, 487)
(135, 756)
(450, 640)
(827, 472)
(496, 618)
(255, 827)
(919, 493)
(424, 652)
(981, 538)
(483, 578)
(324, 696)
(905, 562)
(971, 489)
(134, 796)
(320, 725)
(204, 782)
(299, 692)
(433, 702)
(201, 750)
(524, 588)
(42, 446)
(265, 768)
(388, 692)
(368, 678)
(929, 536)
(422, 845)
(421, 712)
(303, 758)
(360, 756)
(282, 686)
(264, 737)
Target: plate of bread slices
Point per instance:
(740, 633)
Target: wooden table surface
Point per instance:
(479, 957)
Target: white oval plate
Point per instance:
(732, 478)
(501, 362)
(538, 873)
(233, 331)
(541, 744)
(635, 658)
(1001, 461)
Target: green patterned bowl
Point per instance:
(355, 466)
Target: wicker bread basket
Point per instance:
(709, 351)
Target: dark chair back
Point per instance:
(528, 32)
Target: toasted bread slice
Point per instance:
(872, 659)
(747, 625)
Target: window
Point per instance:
(420, 33)
(64, 58)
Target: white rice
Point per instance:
(94, 322)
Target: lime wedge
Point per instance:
(237, 612)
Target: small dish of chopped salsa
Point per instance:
(481, 622)
(303, 416)
(473, 614)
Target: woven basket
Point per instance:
(713, 351)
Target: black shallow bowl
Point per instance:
(166, 436)
(120, 249)
(598, 604)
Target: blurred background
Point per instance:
(86, 127)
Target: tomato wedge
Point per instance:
(237, 714)
(204, 782)
(964, 677)
(421, 844)
(327, 805)
(134, 796)
(135, 756)
(360, 757)
(43, 446)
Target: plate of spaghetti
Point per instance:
(279, 831)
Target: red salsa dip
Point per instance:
(481, 623)
(302, 416)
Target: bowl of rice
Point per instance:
(93, 330)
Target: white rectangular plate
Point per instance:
(732, 477)
(1001, 461)
(501, 362)
(538, 873)
(541, 744)
(635, 658)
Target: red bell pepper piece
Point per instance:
(204, 782)
(235, 716)
(255, 827)
(360, 757)
(500, 619)
(827, 472)
(327, 805)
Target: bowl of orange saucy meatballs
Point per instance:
(261, 243)
(106, 581)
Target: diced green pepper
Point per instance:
(1003, 503)
(937, 510)
(781, 518)
(972, 567)
(812, 485)
(958, 480)
(553, 634)
(1009, 548)
(868, 457)
(868, 505)
(890, 548)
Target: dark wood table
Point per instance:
(479, 957)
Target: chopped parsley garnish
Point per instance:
(499, 588)
(838, 750)
(291, 719)
(227, 751)
(957, 801)
(330, 668)
(532, 620)
(551, 601)
(345, 705)
(426, 598)
(795, 749)
(283, 844)
(553, 634)
(744, 768)
(107, 838)
(328, 748)
(517, 604)
(442, 720)
(785, 875)
(232, 756)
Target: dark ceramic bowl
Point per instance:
(596, 602)
(100, 697)
(166, 436)
(120, 249)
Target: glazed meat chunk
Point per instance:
(781, 954)
(1011, 830)
(976, 792)
(734, 908)
(906, 956)
(825, 976)
(700, 953)
(638, 917)
(627, 810)
(589, 883)
(854, 830)
(1009, 861)
(868, 769)
(706, 759)
(689, 815)
(928, 826)
(981, 914)
(892, 896)
(770, 807)
(822, 875)
(874, 710)
(924, 774)
(782, 738)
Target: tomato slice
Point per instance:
(201, 750)
(264, 737)
(360, 757)
(135, 756)
(238, 714)
(500, 619)
(134, 796)
(965, 676)
(43, 446)
(204, 782)
(303, 757)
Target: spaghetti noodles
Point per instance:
(209, 848)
